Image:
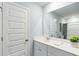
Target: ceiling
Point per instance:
(67, 10)
(42, 4)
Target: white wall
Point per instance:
(35, 22)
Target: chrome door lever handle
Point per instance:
(26, 40)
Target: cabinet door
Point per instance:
(40, 49)
(52, 51)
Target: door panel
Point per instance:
(14, 49)
(14, 29)
(15, 37)
(14, 25)
(19, 53)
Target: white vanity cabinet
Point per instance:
(40, 49)
(52, 51)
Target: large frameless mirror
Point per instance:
(63, 22)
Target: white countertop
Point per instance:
(59, 43)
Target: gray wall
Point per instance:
(35, 22)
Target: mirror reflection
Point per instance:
(63, 22)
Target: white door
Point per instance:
(0, 32)
(14, 29)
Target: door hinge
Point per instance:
(1, 38)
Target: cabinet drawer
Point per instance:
(40, 49)
(52, 51)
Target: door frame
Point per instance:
(1, 38)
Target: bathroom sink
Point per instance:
(56, 42)
(52, 40)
